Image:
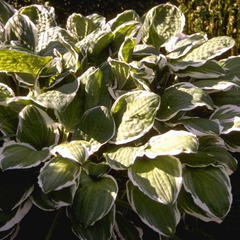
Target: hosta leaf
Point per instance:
(59, 98)
(97, 127)
(160, 178)
(187, 205)
(96, 170)
(20, 156)
(43, 18)
(232, 141)
(121, 157)
(95, 43)
(161, 23)
(229, 118)
(75, 150)
(121, 72)
(96, 195)
(134, 114)
(72, 114)
(22, 30)
(8, 120)
(36, 128)
(145, 50)
(182, 97)
(210, 69)
(208, 50)
(5, 93)
(126, 50)
(102, 229)
(210, 188)
(212, 151)
(55, 199)
(180, 44)
(160, 217)
(22, 62)
(227, 97)
(171, 143)
(201, 126)
(126, 30)
(121, 18)
(9, 219)
(215, 85)
(95, 89)
(6, 12)
(125, 229)
(16, 187)
(80, 26)
(231, 63)
(58, 173)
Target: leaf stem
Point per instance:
(54, 225)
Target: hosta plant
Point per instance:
(108, 118)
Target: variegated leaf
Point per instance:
(182, 97)
(96, 195)
(156, 28)
(102, 229)
(210, 188)
(121, 157)
(160, 178)
(160, 217)
(66, 173)
(211, 152)
(21, 156)
(171, 143)
(36, 128)
(134, 114)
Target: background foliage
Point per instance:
(215, 17)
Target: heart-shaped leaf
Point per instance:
(102, 229)
(134, 114)
(210, 188)
(66, 173)
(160, 178)
(96, 194)
(96, 126)
(36, 128)
(160, 217)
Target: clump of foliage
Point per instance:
(215, 17)
(106, 118)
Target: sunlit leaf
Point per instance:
(134, 114)
(96, 126)
(182, 97)
(160, 178)
(171, 143)
(22, 62)
(156, 28)
(121, 157)
(66, 172)
(22, 30)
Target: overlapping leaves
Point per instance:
(96, 115)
